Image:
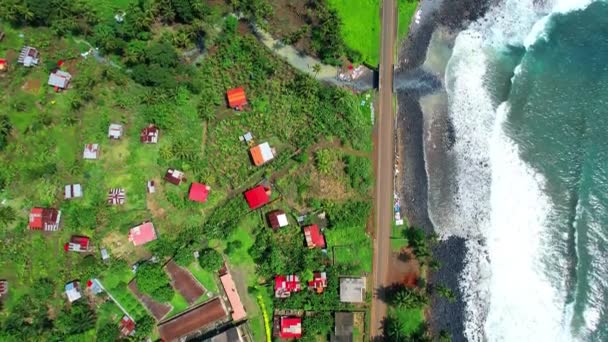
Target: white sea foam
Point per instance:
(500, 207)
(525, 304)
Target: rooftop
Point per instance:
(142, 234)
(352, 290)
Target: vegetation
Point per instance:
(149, 74)
(406, 10)
(361, 27)
(210, 260)
(152, 280)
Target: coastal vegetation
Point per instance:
(146, 73)
(407, 9)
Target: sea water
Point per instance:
(527, 89)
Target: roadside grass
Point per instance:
(360, 26)
(206, 278)
(407, 9)
(351, 246)
(178, 303)
(398, 239)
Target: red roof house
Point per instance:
(174, 176)
(314, 237)
(78, 244)
(3, 64)
(285, 285)
(142, 234)
(290, 327)
(44, 219)
(277, 219)
(318, 282)
(149, 135)
(236, 98)
(199, 192)
(127, 326)
(257, 197)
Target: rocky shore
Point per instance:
(412, 177)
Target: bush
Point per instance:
(359, 171)
(210, 260)
(152, 280)
(184, 257)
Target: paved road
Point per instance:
(384, 165)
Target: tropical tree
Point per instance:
(393, 328)
(445, 336)
(184, 256)
(316, 69)
(210, 259)
(7, 215)
(152, 280)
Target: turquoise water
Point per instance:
(559, 119)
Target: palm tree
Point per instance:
(393, 328)
(316, 69)
(7, 216)
(446, 293)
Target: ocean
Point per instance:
(527, 93)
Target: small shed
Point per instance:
(247, 137)
(72, 191)
(94, 286)
(277, 219)
(91, 151)
(115, 131)
(318, 282)
(149, 135)
(142, 234)
(150, 187)
(72, 291)
(174, 176)
(28, 56)
(352, 290)
(257, 197)
(261, 154)
(3, 64)
(59, 79)
(314, 237)
(199, 192)
(45, 219)
(236, 98)
(116, 196)
(105, 256)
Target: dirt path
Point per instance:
(158, 310)
(185, 283)
(298, 60)
(384, 170)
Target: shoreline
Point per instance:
(413, 180)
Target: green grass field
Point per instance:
(407, 8)
(360, 26)
(412, 319)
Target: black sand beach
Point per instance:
(412, 168)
